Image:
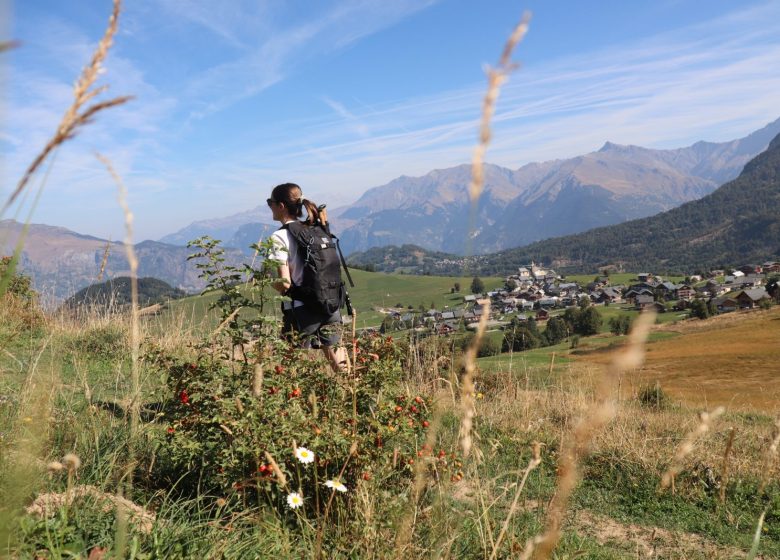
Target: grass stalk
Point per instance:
(77, 115)
(706, 419)
(601, 412)
(535, 461)
(724, 477)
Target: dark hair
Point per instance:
(291, 196)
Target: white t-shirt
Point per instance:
(286, 252)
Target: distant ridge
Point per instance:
(61, 262)
(739, 223)
(518, 206)
(542, 200)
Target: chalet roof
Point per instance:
(755, 294)
(724, 298)
(448, 315)
(639, 291)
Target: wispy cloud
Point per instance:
(710, 81)
(715, 80)
(267, 56)
(354, 122)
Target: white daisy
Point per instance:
(294, 500)
(304, 455)
(336, 485)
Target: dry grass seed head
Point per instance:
(467, 389)
(74, 116)
(576, 447)
(686, 447)
(771, 454)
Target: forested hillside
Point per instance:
(117, 292)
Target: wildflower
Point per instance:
(294, 500)
(336, 485)
(170, 429)
(71, 461)
(55, 466)
(184, 397)
(304, 455)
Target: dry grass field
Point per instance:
(731, 360)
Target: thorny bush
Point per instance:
(226, 417)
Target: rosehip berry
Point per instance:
(442, 453)
(418, 400)
(426, 423)
(413, 409)
(366, 476)
(399, 408)
(278, 368)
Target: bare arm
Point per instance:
(284, 282)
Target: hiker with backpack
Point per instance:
(309, 273)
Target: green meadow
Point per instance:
(373, 293)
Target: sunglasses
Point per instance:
(270, 201)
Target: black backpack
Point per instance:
(322, 288)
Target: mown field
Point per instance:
(731, 360)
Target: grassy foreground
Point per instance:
(79, 478)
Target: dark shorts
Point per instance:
(314, 330)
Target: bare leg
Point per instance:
(331, 357)
(336, 358)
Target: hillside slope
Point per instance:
(518, 206)
(542, 200)
(61, 262)
(738, 223)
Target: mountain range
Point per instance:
(518, 206)
(61, 262)
(738, 223)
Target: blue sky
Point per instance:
(236, 96)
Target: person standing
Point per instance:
(316, 327)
